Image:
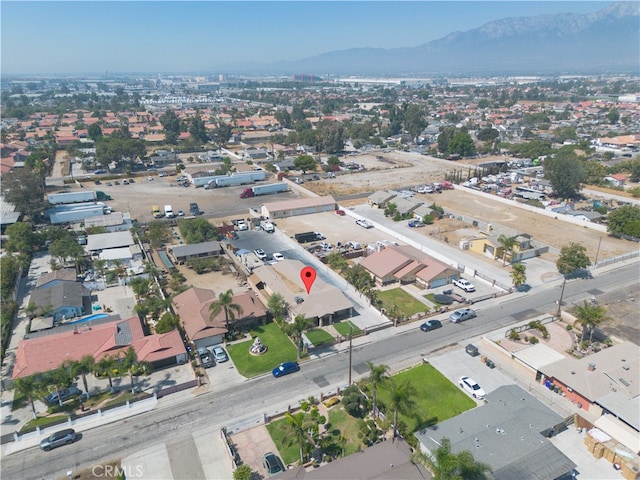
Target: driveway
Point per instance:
(251, 445)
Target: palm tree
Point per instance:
(296, 329)
(518, 275)
(106, 364)
(297, 431)
(60, 378)
(590, 316)
(225, 304)
(400, 399)
(82, 367)
(508, 243)
(31, 310)
(30, 387)
(446, 465)
(378, 374)
(277, 306)
(129, 362)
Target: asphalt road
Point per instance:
(174, 421)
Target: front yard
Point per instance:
(279, 349)
(406, 304)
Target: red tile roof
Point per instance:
(41, 354)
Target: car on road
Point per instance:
(220, 355)
(260, 253)
(462, 314)
(272, 464)
(278, 257)
(99, 171)
(430, 325)
(471, 386)
(364, 223)
(341, 213)
(181, 213)
(63, 437)
(285, 369)
(65, 394)
(464, 284)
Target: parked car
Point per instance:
(285, 369)
(206, 358)
(278, 257)
(464, 284)
(162, 174)
(260, 253)
(99, 171)
(462, 315)
(116, 182)
(220, 355)
(272, 464)
(241, 225)
(430, 325)
(471, 386)
(63, 437)
(181, 213)
(195, 210)
(149, 179)
(65, 394)
(364, 223)
(125, 182)
(341, 213)
(181, 178)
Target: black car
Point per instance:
(63, 437)
(65, 394)
(430, 325)
(272, 464)
(195, 210)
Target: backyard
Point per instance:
(279, 349)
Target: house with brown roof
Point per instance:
(64, 299)
(192, 306)
(43, 353)
(406, 264)
(324, 303)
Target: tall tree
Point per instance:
(198, 130)
(297, 428)
(447, 465)
(378, 374)
(304, 163)
(572, 257)
(624, 220)
(565, 172)
(414, 121)
(60, 378)
(508, 244)
(295, 329)
(277, 306)
(400, 399)
(171, 124)
(590, 315)
(518, 274)
(107, 365)
(225, 304)
(31, 387)
(82, 367)
(24, 190)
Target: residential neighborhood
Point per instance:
(320, 276)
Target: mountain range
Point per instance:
(604, 42)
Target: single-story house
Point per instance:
(324, 303)
(65, 299)
(192, 306)
(489, 246)
(114, 222)
(405, 206)
(381, 198)
(389, 460)
(510, 433)
(424, 211)
(183, 253)
(56, 277)
(592, 216)
(302, 206)
(406, 264)
(616, 179)
(47, 352)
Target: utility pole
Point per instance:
(564, 282)
(350, 349)
(595, 262)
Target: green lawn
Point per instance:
(405, 302)
(319, 337)
(341, 423)
(289, 454)
(279, 349)
(43, 422)
(436, 398)
(343, 328)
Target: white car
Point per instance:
(241, 225)
(278, 257)
(364, 223)
(472, 387)
(464, 285)
(260, 253)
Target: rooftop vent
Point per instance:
(591, 367)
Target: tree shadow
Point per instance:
(523, 288)
(582, 273)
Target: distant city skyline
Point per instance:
(210, 37)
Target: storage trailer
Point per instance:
(264, 190)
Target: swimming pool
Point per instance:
(89, 318)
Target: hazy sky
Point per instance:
(204, 36)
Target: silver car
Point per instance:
(63, 437)
(462, 315)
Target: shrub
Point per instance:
(513, 335)
(533, 340)
(331, 402)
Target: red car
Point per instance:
(340, 212)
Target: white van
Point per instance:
(168, 211)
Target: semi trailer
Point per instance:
(264, 190)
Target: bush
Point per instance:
(513, 335)
(331, 402)
(533, 340)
